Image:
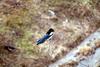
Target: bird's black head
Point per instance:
(50, 31)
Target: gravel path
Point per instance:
(71, 55)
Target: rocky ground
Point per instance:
(22, 22)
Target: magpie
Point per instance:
(48, 35)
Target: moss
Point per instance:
(26, 45)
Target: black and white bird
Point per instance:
(47, 36)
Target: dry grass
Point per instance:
(22, 19)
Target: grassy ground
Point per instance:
(24, 21)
